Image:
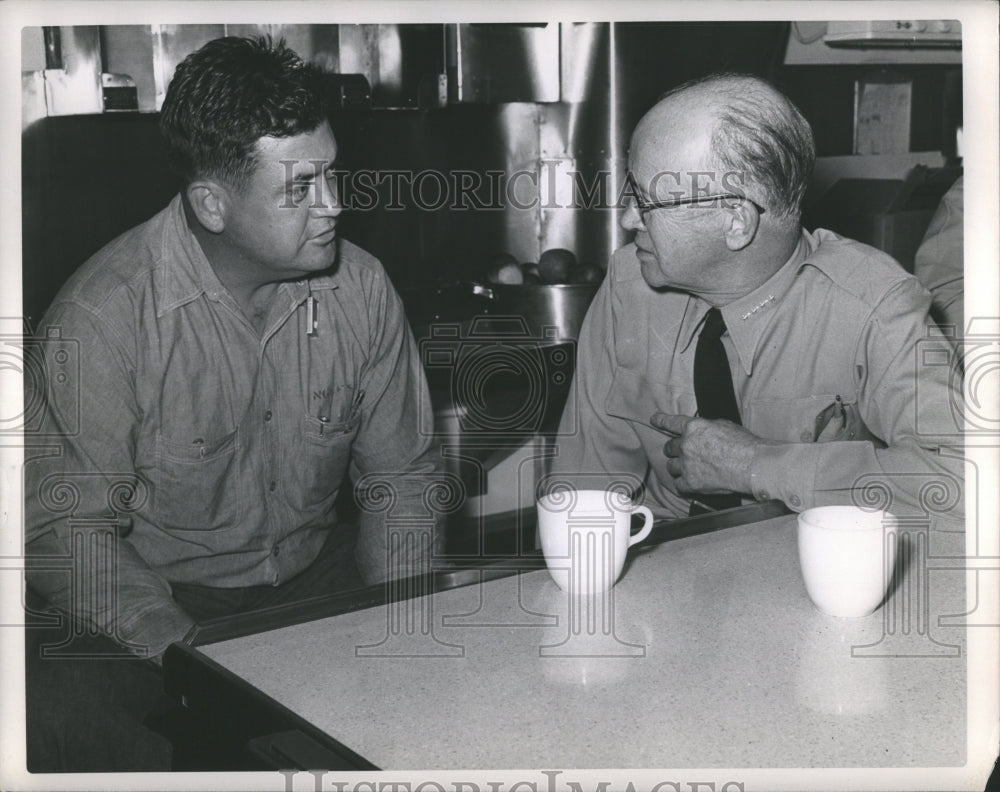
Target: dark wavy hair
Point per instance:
(229, 94)
(761, 135)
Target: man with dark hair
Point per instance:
(775, 362)
(237, 361)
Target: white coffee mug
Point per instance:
(585, 535)
(847, 555)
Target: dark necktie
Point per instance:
(713, 389)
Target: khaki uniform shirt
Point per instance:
(833, 357)
(940, 263)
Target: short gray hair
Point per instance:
(762, 136)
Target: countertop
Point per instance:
(708, 653)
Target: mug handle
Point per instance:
(647, 526)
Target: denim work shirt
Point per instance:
(189, 447)
(833, 358)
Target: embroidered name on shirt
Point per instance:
(752, 311)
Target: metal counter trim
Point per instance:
(461, 571)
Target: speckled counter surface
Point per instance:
(708, 654)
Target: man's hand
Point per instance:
(707, 456)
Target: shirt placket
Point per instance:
(263, 413)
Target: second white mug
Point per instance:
(847, 555)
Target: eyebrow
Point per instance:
(309, 177)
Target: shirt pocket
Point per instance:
(787, 420)
(842, 421)
(196, 484)
(319, 467)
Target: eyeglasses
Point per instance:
(645, 207)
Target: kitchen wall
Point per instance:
(89, 175)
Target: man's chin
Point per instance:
(651, 272)
(327, 261)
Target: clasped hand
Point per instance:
(707, 456)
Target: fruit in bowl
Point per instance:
(556, 264)
(586, 273)
(505, 270)
(531, 273)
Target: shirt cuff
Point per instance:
(785, 472)
(149, 633)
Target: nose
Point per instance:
(632, 219)
(326, 201)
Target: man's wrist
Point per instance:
(785, 472)
(747, 454)
(158, 627)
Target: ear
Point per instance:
(741, 224)
(208, 202)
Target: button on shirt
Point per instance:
(833, 359)
(234, 442)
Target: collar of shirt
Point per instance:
(185, 274)
(748, 317)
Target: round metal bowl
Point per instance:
(550, 311)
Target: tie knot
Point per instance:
(714, 326)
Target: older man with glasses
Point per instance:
(732, 355)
